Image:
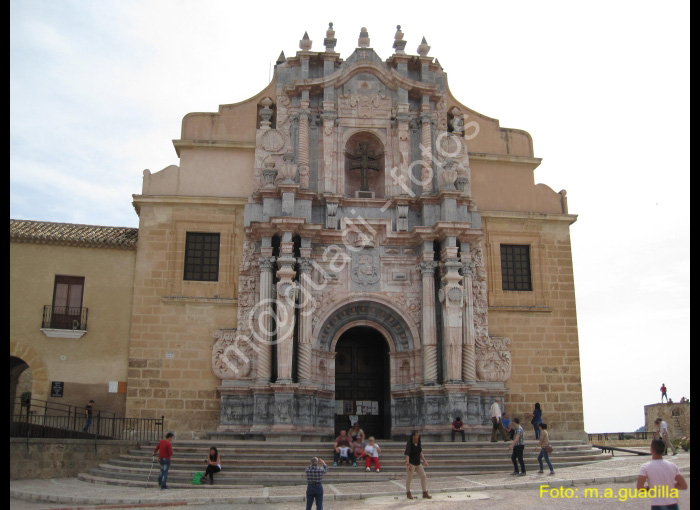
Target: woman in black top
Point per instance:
(414, 456)
(213, 465)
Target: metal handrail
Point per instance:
(619, 436)
(35, 420)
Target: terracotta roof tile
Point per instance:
(44, 232)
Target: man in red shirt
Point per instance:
(165, 452)
(663, 392)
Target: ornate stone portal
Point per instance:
(361, 215)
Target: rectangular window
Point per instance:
(67, 301)
(515, 267)
(202, 257)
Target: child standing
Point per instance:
(372, 454)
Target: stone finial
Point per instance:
(281, 59)
(305, 43)
(330, 40)
(399, 43)
(266, 113)
(363, 41)
(423, 48)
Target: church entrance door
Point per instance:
(362, 382)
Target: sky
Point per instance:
(98, 91)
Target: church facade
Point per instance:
(351, 242)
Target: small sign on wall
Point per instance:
(113, 387)
(57, 388)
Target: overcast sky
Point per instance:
(98, 90)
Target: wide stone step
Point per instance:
(260, 463)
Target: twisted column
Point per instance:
(430, 361)
(304, 368)
(426, 153)
(469, 348)
(264, 324)
(303, 159)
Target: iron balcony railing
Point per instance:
(39, 418)
(64, 317)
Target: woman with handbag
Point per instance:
(545, 449)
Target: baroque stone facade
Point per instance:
(362, 214)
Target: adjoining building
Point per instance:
(350, 242)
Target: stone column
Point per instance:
(430, 361)
(264, 324)
(328, 117)
(451, 297)
(303, 158)
(426, 150)
(305, 316)
(286, 299)
(469, 347)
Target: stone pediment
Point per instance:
(388, 76)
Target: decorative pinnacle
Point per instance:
(330, 40)
(399, 43)
(281, 59)
(305, 43)
(363, 41)
(423, 48)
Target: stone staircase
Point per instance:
(259, 464)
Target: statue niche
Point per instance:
(364, 166)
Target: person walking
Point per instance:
(545, 449)
(665, 435)
(518, 447)
(496, 420)
(536, 419)
(663, 476)
(414, 457)
(213, 461)
(164, 449)
(88, 415)
(314, 483)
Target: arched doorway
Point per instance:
(20, 383)
(362, 385)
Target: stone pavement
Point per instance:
(73, 492)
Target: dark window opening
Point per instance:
(515, 267)
(202, 257)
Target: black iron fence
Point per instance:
(64, 317)
(39, 418)
(620, 436)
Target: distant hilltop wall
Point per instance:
(676, 415)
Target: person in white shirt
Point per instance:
(664, 435)
(496, 420)
(372, 454)
(662, 477)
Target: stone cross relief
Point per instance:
(364, 161)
